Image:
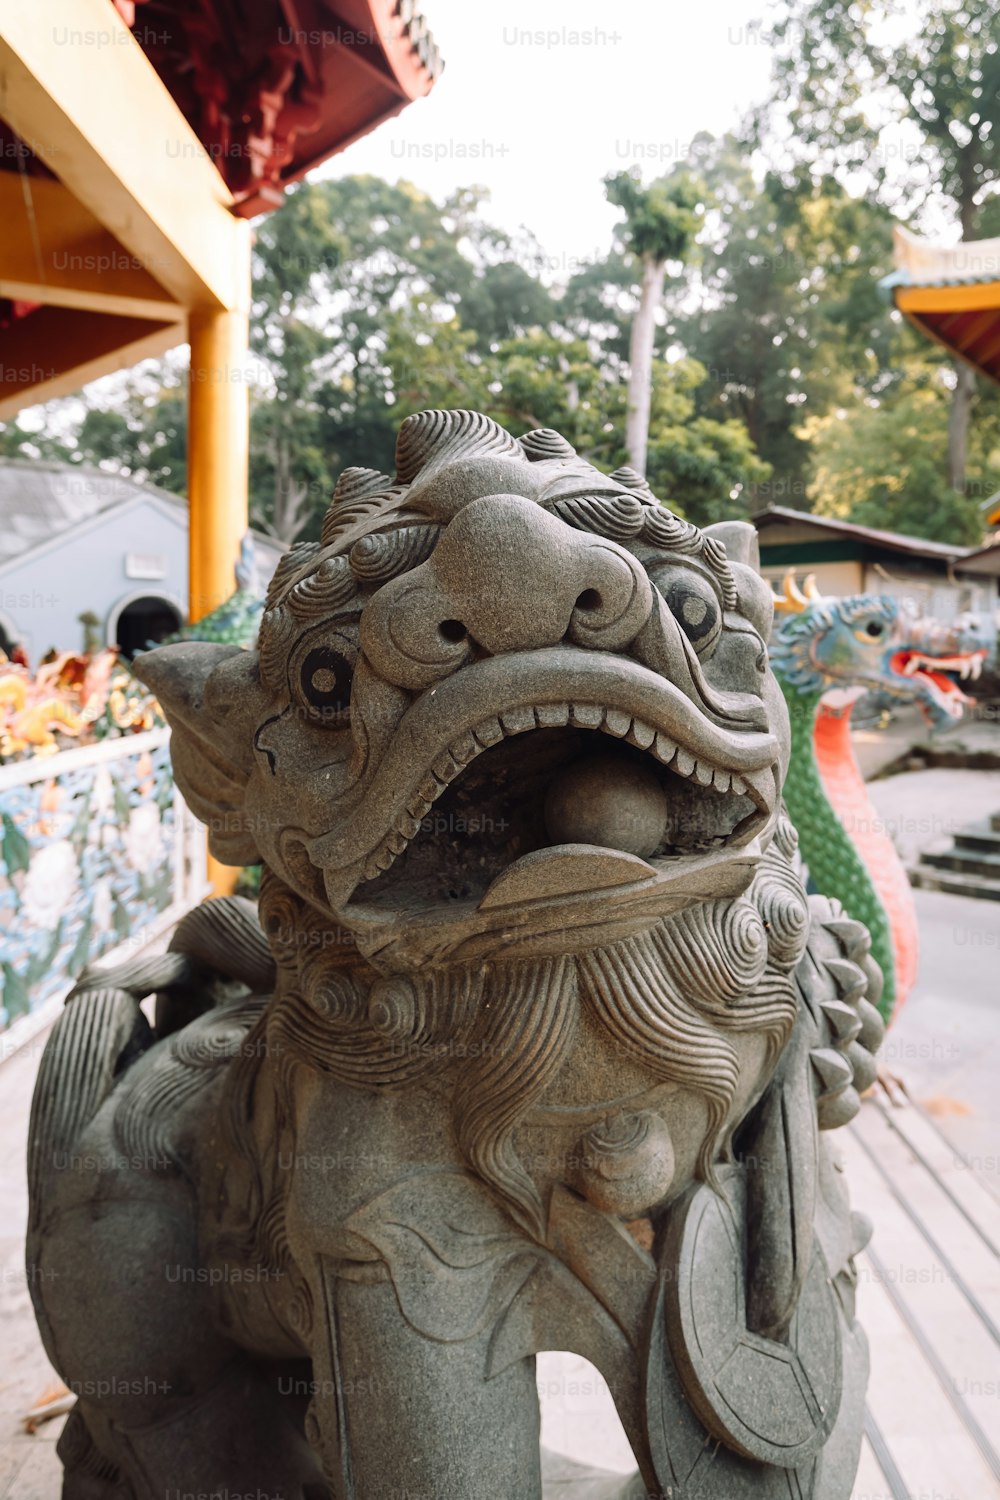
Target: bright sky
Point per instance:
(541, 98)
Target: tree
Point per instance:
(786, 314)
(938, 85)
(144, 434)
(18, 441)
(879, 465)
(139, 429)
(659, 225)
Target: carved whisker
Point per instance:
(520, 1044)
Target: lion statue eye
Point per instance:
(325, 682)
(693, 603)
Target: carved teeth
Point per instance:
(641, 735)
(552, 715)
(464, 749)
(517, 720)
(587, 714)
(703, 773)
(489, 732)
(445, 766)
(378, 862)
(520, 720)
(664, 749)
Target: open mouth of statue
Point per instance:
(938, 673)
(563, 799)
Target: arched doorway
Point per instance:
(142, 621)
(9, 635)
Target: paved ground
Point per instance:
(946, 1043)
(947, 1047)
(978, 734)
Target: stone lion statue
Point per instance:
(533, 1046)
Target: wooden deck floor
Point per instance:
(929, 1298)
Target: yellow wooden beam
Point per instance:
(54, 251)
(939, 299)
(77, 87)
(55, 350)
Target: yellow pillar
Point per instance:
(218, 456)
(218, 461)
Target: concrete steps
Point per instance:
(968, 866)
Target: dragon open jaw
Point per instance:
(932, 673)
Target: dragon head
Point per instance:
(505, 695)
(878, 642)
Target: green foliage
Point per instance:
(142, 434)
(906, 100)
(868, 87)
(789, 320)
(779, 372)
(660, 220)
(442, 315)
(881, 466)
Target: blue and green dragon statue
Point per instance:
(826, 653)
(236, 620)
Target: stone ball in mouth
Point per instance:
(608, 801)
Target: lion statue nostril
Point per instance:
(452, 630)
(589, 599)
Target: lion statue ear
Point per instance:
(739, 539)
(209, 694)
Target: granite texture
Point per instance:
(534, 1046)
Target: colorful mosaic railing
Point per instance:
(98, 854)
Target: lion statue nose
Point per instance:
(506, 576)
